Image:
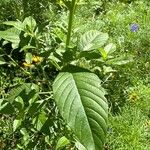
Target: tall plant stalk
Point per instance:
(71, 15)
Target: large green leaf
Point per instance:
(92, 40)
(80, 99)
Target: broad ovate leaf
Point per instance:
(91, 40)
(81, 102)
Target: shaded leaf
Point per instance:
(6, 108)
(25, 88)
(40, 120)
(2, 61)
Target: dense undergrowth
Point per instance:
(32, 54)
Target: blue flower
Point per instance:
(134, 27)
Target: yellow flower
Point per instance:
(133, 97)
(36, 59)
(26, 64)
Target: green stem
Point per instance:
(71, 14)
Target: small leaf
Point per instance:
(26, 47)
(92, 40)
(122, 60)
(110, 48)
(103, 53)
(28, 58)
(16, 124)
(2, 61)
(62, 142)
(29, 24)
(40, 120)
(19, 102)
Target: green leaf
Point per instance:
(11, 35)
(6, 108)
(40, 120)
(92, 40)
(81, 102)
(26, 47)
(25, 134)
(62, 142)
(103, 53)
(29, 24)
(21, 90)
(79, 146)
(121, 60)
(2, 61)
(35, 106)
(17, 24)
(110, 48)
(28, 58)
(16, 124)
(19, 103)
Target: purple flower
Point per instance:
(134, 27)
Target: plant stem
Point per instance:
(71, 14)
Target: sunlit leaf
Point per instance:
(62, 142)
(81, 102)
(11, 35)
(16, 124)
(17, 24)
(29, 24)
(92, 40)
(28, 58)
